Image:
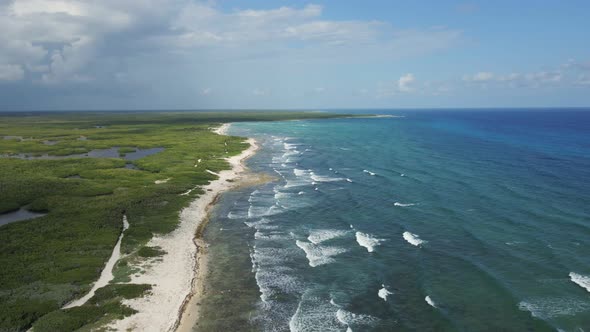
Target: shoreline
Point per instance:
(177, 277)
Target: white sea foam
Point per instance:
(290, 146)
(349, 319)
(348, 180)
(581, 280)
(546, 308)
(367, 241)
(271, 283)
(319, 255)
(321, 235)
(300, 172)
(383, 293)
(274, 236)
(240, 214)
(271, 273)
(430, 301)
(261, 224)
(314, 313)
(369, 172)
(413, 239)
(319, 178)
(263, 211)
(403, 204)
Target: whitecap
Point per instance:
(369, 172)
(348, 180)
(545, 308)
(314, 314)
(319, 178)
(321, 235)
(319, 255)
(349, 319)
(274, 236)
(413, 239)
(300, 172)
(430, 301)
(403, 204)
(262, 211)
(580, 280)
(237, 214)
(367, 241)
(256, 224)
(271, 283)
(290, 146)
(383, 293)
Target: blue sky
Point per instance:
(187, 54)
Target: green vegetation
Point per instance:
(106, 302)
(53, 259)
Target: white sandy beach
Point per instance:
(172, 278)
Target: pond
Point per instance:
(97, 153)
(18, 215)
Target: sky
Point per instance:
(237, 54)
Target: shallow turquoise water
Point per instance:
(437, 221)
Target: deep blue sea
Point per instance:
(430, 221)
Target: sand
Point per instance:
(174, 279)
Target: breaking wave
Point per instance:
(319, 255)
(367, 241)
(413, 239)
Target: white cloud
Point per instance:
(564, 75)
(260, 92)
(583, 79)
(482, 76)
(404, 83)
(73, 40)
(11, 73)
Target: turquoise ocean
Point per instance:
(428, 221)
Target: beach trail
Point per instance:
(107, 273)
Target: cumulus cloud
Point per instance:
(405, 83)
(482, 76)
(583, 79)
(260, 92)
(164, 48)
(562, 75)
(67, 40)
(11, 73)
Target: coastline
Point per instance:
(177, 279)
